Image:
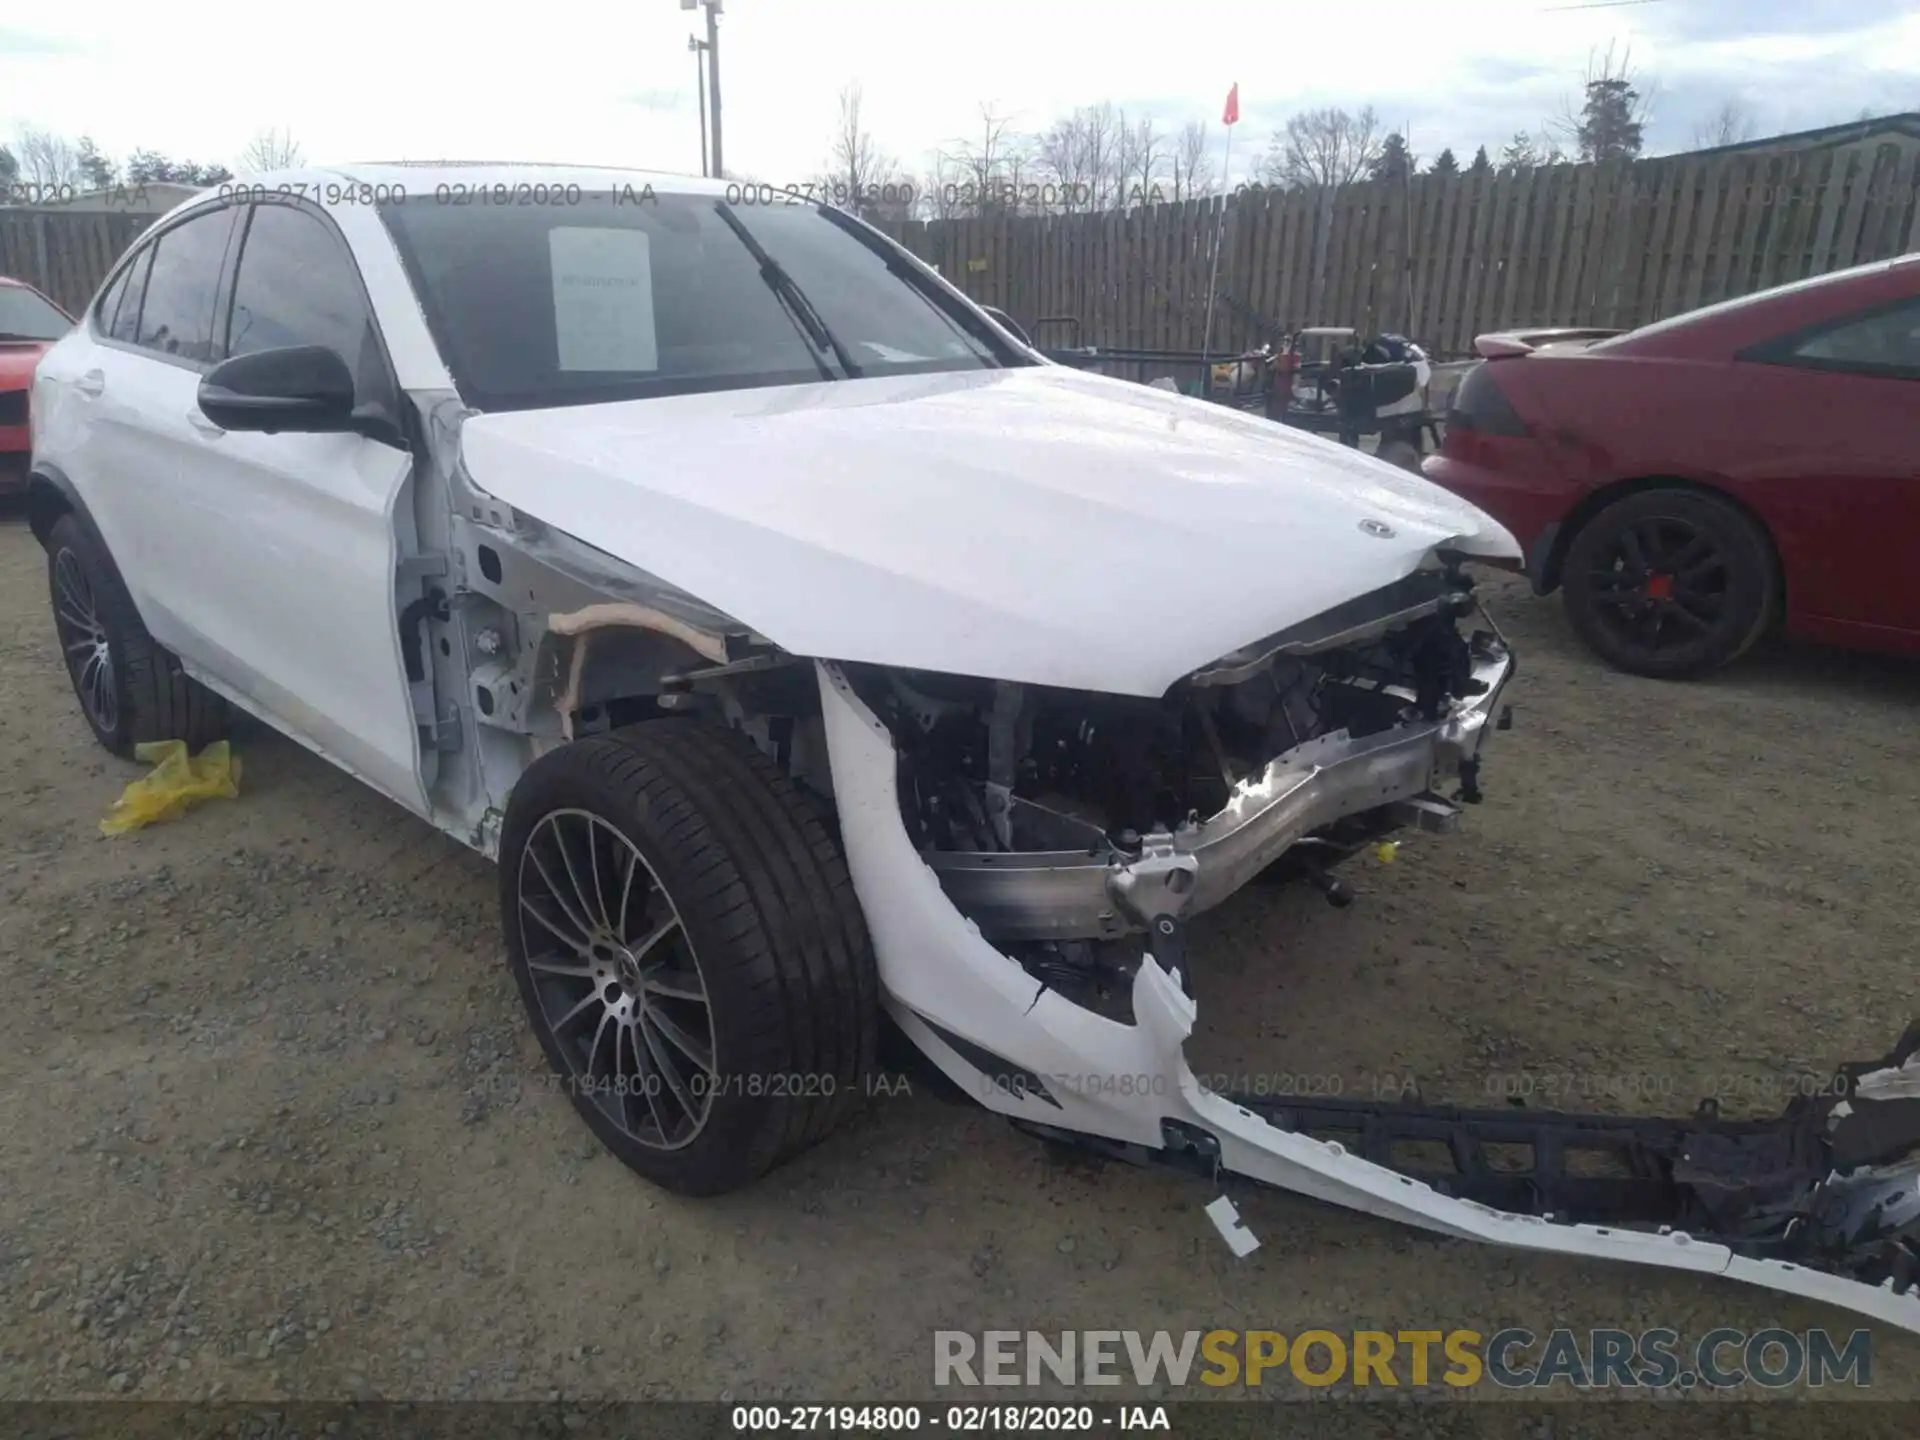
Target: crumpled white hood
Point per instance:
(1035, 524)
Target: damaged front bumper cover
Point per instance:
(1085, 894)
(1823, 1202)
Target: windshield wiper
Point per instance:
(783, 285)
(900, 265)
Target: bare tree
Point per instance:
(49, 163)
(1063, 160)
(1079, 163)
(1192, 163)
(271, 150)
(1731, 123)
(1323, 148)
(1144, 152)
(860, 176)
(988, 169)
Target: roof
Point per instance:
(1905, 125)
(146, 197)
(423, 177)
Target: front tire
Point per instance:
(131, 690)
(687, 943)
(1670, 583)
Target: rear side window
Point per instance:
(110, 302)
(177, 316)
(1884, 341)
(123, 322)
(1889, 341)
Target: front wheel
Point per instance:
(131, 690)
(687, 943)
(1670, 583)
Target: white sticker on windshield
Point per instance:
(602, 299)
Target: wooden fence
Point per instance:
(1443, 259)
(65, 254)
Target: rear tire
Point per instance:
(1670, 583)
(131, 690)
(722, 1013)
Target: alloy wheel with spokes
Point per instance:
(686, 941)
(1661, 583)
(1670, 583)
(84, 643)
(616, 977)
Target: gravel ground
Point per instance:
(275, 1127)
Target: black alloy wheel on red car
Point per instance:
(1670, 583)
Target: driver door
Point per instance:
(282, 547)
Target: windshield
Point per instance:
(616, 298)
(26, 316)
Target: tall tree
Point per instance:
(9, 174)
(1323, 148)
(1144, 152)
(1192, 163)
(1394, 162)
(1077, 162)
(1730, 123)
(987, 169)
(271, 150)
(1481, 164)
(148, 167)
(860, 176)
(1612, 119)
(1445, 164)
(49, 164)
(98, 170)
(1519, 153)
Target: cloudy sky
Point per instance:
(612, 81)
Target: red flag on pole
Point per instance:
(1233, 105)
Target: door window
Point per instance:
(177, 316)
(297, 285)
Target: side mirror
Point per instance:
(1005, 322)
(301, 388)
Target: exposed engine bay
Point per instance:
(1070, 825)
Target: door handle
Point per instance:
(199, 421)
(92, 383)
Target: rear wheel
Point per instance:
(1670, 583)
(687, 943)
(130, 689)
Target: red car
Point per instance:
(1691, 484)
(29, 323)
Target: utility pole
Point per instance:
(697, 46)
(712, 47)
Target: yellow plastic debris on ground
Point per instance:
(176, 784)
(1387, 851)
